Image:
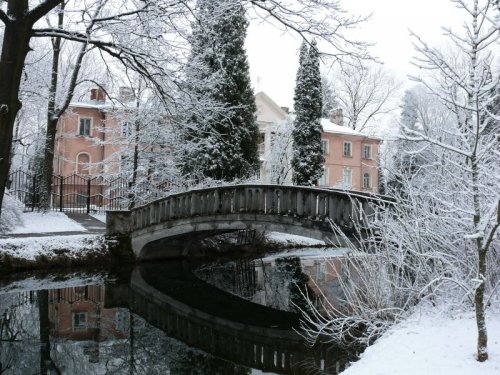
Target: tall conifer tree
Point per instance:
(308, 157)
(222, 143)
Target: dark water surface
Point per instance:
(171, 317)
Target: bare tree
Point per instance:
(133, 32)
(365, 91)
(439, 241)
(278, 159)
(54, 109)
(466, 86)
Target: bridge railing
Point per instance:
(341, 207)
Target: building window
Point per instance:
(366, 180)
(126, 129)
(261, 143)
(325, 146)
(122, 320)
(347, 178)
(347, 148)
(83, 163)
(273, 139)
(323, 181)
(79, 321)
(84, 128)
(320, 271)
(367, 152)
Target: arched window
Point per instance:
(366, 180)
(83, 163)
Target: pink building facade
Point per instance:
(87, 135)
(351, 158)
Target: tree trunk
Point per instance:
(52, 119)
(48, 167)
(19, 23)
(135, 166)
(15, 47)
(482, 336)
(43, 312)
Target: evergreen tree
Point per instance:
(308, 158)
(221, 143)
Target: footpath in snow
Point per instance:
(38, 222)
(431, 345)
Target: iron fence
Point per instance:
(84, 193)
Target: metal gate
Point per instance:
(74, 193)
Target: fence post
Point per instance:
(88, 196)
(33, 199)
(61, 192)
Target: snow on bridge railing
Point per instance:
(311, 203)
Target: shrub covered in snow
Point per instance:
(11, 213)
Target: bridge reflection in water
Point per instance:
(225, 325)
(159, 319)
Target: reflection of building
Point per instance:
(78, 314)
(273, 284)
(324, 279)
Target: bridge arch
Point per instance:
(305, 211)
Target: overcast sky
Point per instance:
(273, 55)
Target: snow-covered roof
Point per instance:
(330, 127)
(90, 104)
(102, 105)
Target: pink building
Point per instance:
(89, 133)
(351, 158)
(83, 138)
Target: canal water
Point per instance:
(176, 317)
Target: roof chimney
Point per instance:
(98, 95)
(286, 109)
(337, 117)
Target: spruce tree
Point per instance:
(221, 143)
(308, 158)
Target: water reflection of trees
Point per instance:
(284, 282)
(19, 326)
(287, 285)
(71, 331)
(238, 278)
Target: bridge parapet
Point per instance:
(314, 204)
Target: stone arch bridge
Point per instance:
(305, 211)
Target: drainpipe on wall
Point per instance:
(103, 139)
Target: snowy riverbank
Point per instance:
(35, 240)
(432, 344)
(52, 251)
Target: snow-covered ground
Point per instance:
(291, 239)
(427, 344)
(33, 250)
(100, 217)
(52, 282)
(50, 222)
(29, 248)
(311, 253)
